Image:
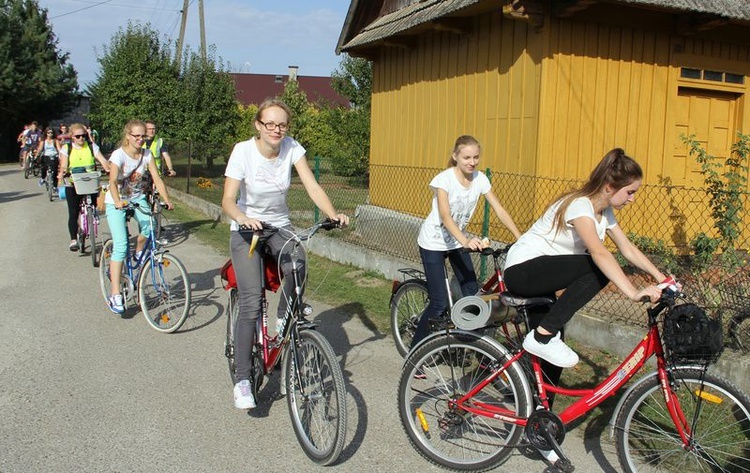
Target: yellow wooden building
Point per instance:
(548, 87)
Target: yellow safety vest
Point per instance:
(155, 149)
(81, 158)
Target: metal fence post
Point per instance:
(485, 230)
(316, 211)
(190, 156)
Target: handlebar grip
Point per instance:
(645, 300)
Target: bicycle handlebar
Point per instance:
(303, 235)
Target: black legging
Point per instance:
(545, 275)
(74, 205)
(50, 164)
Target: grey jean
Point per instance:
(247, 271)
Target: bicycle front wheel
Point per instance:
(233, 312)
(407, 306)
(443, 370)
(50, 186)
(716, 412)
(104, 259)
(164, 292)
(316, 396)
(90, 225)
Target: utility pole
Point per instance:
(203, 29)
(181, 39)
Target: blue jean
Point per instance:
(437, 290)
(116, 222)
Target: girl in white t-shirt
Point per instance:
(565, 249)
(260, 170)
(456, 192)
(128, 164)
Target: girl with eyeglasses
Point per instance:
(260, 170)
(129, 163)
(79, 156)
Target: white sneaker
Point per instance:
(243, 395)
(116, 304)
(555, 351)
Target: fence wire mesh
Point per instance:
(664, 221)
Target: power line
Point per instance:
(124, 5)
(81, 9)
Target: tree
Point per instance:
(138, 80)
(36, 82)
(349, 147)
(211, 111)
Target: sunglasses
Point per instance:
(79, 136)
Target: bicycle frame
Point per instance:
(649, 346)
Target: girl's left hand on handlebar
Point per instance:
(169, 205)
(652, 292)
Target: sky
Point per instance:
(249, 35)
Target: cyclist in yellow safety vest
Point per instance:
(79, 156)
(159, 150)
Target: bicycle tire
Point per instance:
(233, 311)
(164, 293)
(316, 396)
(443, 369)
(50, 186)
(104, 279)
(90, 225)
(26, 168)
(647, 439)
(82, 229)
(407, 306)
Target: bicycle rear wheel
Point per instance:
(407, 306)
(164, 292)
(717, 413)
(316, 396)
(91, 227)
(233, 312)
(439, 372)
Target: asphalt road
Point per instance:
(82, 389)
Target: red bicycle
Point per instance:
(466, 401)
(313, 382)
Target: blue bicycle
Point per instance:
(157, 279)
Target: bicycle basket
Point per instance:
(86, 182)
(691, 336)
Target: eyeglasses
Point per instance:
(150, 129)
(79, 136)
(137, 137)
(270, 126)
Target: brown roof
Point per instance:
(366, 25)
(255, 88)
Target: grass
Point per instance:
(363, 293)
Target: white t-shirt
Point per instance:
(542, 239)
(132, 187)
(264, 182)
(463, 200)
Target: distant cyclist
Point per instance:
(49, 150)
(31, 138)
(159, 150)
(79, 156)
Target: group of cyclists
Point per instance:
(139, 162)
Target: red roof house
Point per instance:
(255, 88)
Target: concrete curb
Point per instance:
(615, 338)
